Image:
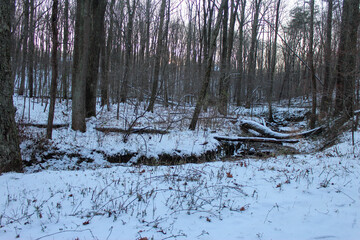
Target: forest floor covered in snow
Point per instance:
(91, 186)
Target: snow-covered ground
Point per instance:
(304, 196)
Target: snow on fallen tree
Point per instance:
(132, 130)
(255, 139)
(267, 132)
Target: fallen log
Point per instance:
(130, 131)
(267, 132)
(44, 125)
(256, 139)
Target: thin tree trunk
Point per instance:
(240, 57)
(31, 51)
(223, 95)
(209, 63)
(325, 100)
(65, 72)
(188, 73)
(25, 47)
(252, 55)
(312, 68)
(106, 58)
(54, 75)
(128, 47)
(273, 62)
(158, 55)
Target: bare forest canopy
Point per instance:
(198, 52)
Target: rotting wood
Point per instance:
(133, 130)
(256, 139)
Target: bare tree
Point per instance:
(312, 67)
(158, 55)
(24, 46)
(240, 54)
(31, 50)
(65, 70)
(209, 63)
(346, 65)
(273, 61)
(326, 98)
(97, 13)
(252, 54)
(54, 68)
(106, 53)
(80, 64)
(128, 46)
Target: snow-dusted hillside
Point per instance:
(305, 196)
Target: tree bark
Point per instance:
(209, 63)
(128, 47)
(326, 97)
(273, 62)
(158, 55)
(25, 47)
(10, 157)
(346, 65)
(64, 77)
(252, 55)
(97, 12)
(54, 75)
(240, 57)
(312, 67)
(223, 95)
(31, 51)
(106, 59)
(80, 65)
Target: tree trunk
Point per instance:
(326, 97)
(159, 51)
(54, 75)
(240, 57)
(25, 47)
(209, 63)
(31, 51)
(273, 62)
(252, 55)
(312, 68)
(10, 157)
(80, 64)
(222, 108)
(106, 59)
(97, 13)
(346, 65)
(128, 47)
(64, 77)
(188, 67)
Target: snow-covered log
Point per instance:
(267, 132)
(255, 139)
(133, 130)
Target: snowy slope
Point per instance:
(297, 197)
(305, 196)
